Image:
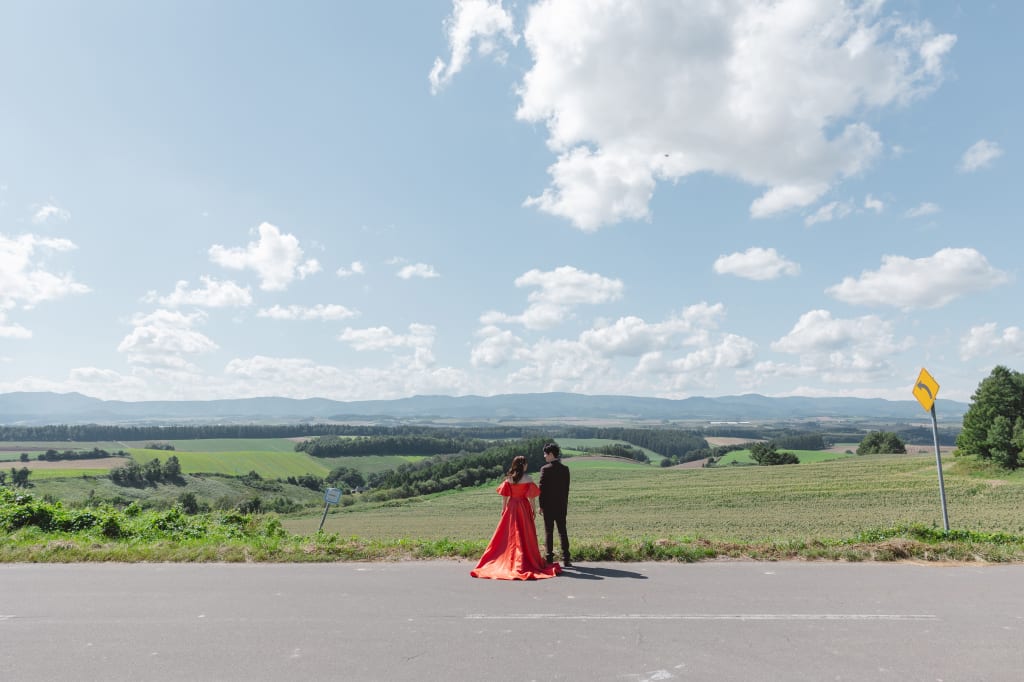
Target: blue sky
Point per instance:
(374, 200)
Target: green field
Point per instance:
(269, 463)
(572, 446)
(619, 500)
(48, 474)
(229, 445)
(11, 451)
(806, 456)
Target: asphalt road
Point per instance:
(431, 621)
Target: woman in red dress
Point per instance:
(513, 553)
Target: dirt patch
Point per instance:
(697, 464)
(729, 440)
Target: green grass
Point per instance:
(572, 446)
(267, 463)
(618, 500)
(882, 507)
(47, 474)
(230, 445)
(806, 456)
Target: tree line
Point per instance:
(445, 472)
(361, 446)
(152, 472)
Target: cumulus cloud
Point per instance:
(356, 268)
(163, 336)
(979, 155)
(383, 338)
(23, 279)
(297, 312)
(421, 270)
(276, 258)
(873, 204)
(557, 292)
(985, 340)
(930, 282)
(628, 354)
(484, 22)
(50, 213)
(756, 263)
(633, 93)
(845, 350)
(212, 294)
(925, 208)
(496, 347)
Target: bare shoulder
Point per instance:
(526, 479)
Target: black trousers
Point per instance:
(550, 521)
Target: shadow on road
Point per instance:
(592, 573)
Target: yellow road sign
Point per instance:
(926, 390)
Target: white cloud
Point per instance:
(842, 350)
(756, 263)
(276, 258)
(12, 331)
(50, 212)
(304, 378)
(986, 339)
(637, 92)
(925, 208)
(160, 337)
(483, 21)
(496, 348)
(421, 270)
(356, 268)
(873, 204)
(318, 312)
(979, 155)
(831, 211)
(213, 294)
(929, 282)
(23, 280)
(420, 336)
(558, 291)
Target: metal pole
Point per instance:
(938, 464)
(328, 506)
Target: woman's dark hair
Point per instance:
(515, 472)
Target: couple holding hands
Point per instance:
(513, 553)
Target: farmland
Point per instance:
(620, 500)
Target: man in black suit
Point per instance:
(554, 501)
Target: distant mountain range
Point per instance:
(75, 408)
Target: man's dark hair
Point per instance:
(553, 449)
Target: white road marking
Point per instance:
(706, 616)
(3, 617)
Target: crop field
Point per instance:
(11, 451)
(617, 500)
(806, 456)
(49, 473)
(268, 463)
(574, 445)
(229, 445)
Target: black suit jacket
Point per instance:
(554, 488)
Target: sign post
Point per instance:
(926, 390)
(331, 496)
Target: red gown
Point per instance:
(513, 553)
